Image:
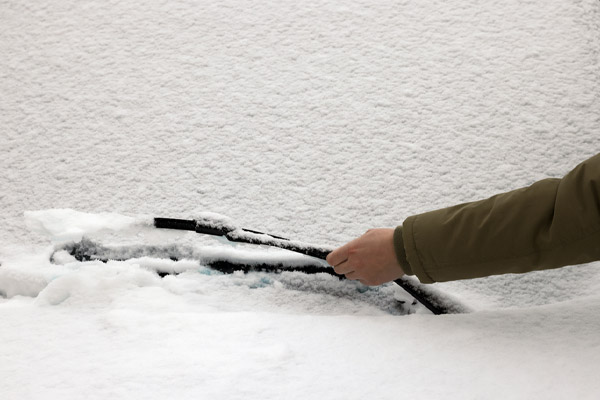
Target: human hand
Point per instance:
(370, 259)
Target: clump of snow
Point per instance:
(67, 224)
(20, 282)
(215, 220)
(94, 280)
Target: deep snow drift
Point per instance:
(312, 120)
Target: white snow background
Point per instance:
(314, 120)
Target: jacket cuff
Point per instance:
(412, 254)
(400, 252)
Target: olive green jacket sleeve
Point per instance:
(550, 224)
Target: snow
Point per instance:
(67, 224)
(310, 120)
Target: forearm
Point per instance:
(550, 224)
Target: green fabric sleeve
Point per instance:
(400, 252)
(550, 224)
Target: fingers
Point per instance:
(343, 268)
(347, 270)
(341, 262)
(352, 276)
(338, 256)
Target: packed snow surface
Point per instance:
(312, 120)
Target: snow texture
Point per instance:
(311, 120)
